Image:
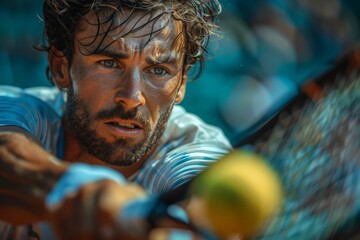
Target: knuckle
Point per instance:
(4, 138)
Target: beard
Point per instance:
(120, 152)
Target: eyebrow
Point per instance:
(152, 60)
(163, 58)
(113, 54)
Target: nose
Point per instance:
(129, 94)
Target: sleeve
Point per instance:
(187, 148)
(19, 109)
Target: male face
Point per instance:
(121, 96)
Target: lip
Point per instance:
(123, 131)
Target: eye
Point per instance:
(109, 63)
(159, 71)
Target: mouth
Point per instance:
(124, 128)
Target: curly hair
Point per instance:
(197, 16)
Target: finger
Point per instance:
(75, 217)
(99, 222)
(113, 196)
(135, 190)
(62, 219)
(104, 222)
(88, 201)
(172, 234)
(112, 201)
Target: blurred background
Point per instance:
(268, 49)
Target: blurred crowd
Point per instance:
(267, 50)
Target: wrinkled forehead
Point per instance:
(128, 29)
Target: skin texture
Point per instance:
(93, 210)
(135, 80)
(27, 174)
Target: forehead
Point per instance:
(129, 29)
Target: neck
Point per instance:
(74, 153)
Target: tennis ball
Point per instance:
(240, 192)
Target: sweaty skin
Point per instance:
(27, 174)
(119, 99)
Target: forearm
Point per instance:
(27, 174)
(35, 186)
(30, 177)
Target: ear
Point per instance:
(182, 89)
(59, 68)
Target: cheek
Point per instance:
(172, 86)
(164, 90)
(159, 100)
(88, 88)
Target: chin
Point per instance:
(121, 159)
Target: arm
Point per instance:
(27, 174)
(43, 171)
(29, 130)
(92, 211)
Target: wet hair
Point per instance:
(61, 18)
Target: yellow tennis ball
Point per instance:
(240, 192)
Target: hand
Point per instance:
(27, 174)
(92, 212)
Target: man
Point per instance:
(122, 66)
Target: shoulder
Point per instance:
(51, 96)
(189, 128)
(36, 110)
(187, 147)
